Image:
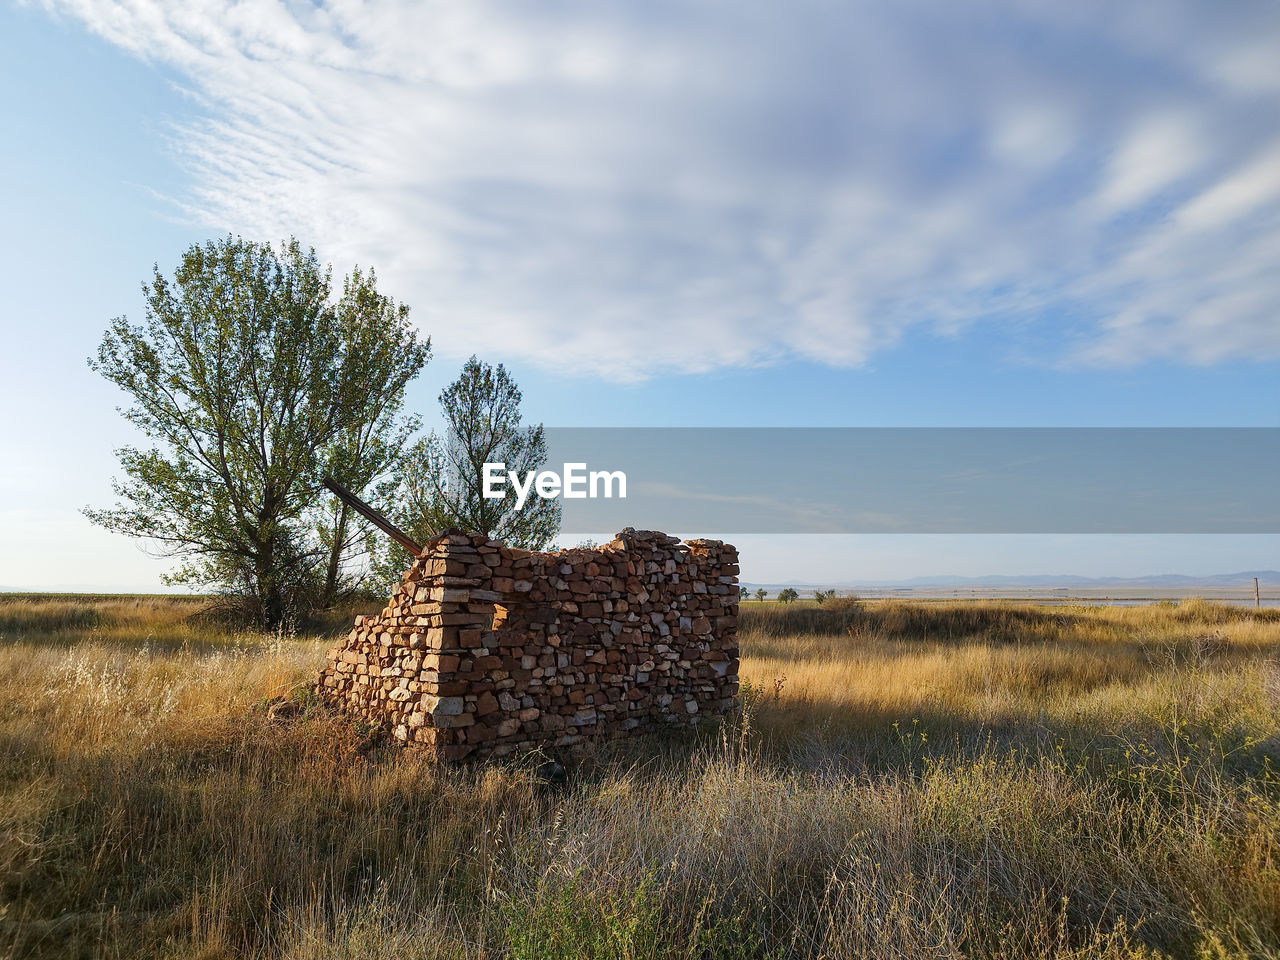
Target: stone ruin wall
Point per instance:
(485, 650)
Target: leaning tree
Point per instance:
(250, 378)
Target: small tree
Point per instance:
(787, 595)
(822, 596)
(743, 593)
(442, 478)
(249, 379)
(761, 593)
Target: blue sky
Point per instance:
(713, 214)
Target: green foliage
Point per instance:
(822, 596)
(569, 922)
(787, 595)
(761, 593)
(250, 380)
(441, 482)
(572, 921)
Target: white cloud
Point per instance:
(1156, 154)
(1242, 193)
(621, 189)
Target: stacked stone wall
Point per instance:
(485, 650)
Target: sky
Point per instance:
(670, 214)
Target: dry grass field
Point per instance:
(910, 780)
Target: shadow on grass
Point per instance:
(999, 623)
(990, 621)
(873, 741)
(166, 623)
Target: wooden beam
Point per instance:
(372, 515)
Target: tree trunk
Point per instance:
(330, 595)
(270, 593)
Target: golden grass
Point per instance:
(909, 780)
(999, 662)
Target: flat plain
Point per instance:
(908, 779)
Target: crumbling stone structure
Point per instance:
(485, 650)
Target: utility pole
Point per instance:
(1257, 598)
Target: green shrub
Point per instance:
(573, 920)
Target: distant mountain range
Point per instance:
(1165, 581)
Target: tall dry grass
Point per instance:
(908, 780)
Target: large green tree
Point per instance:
(441, 478)
(249, 378)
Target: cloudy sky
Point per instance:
(709, 213)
